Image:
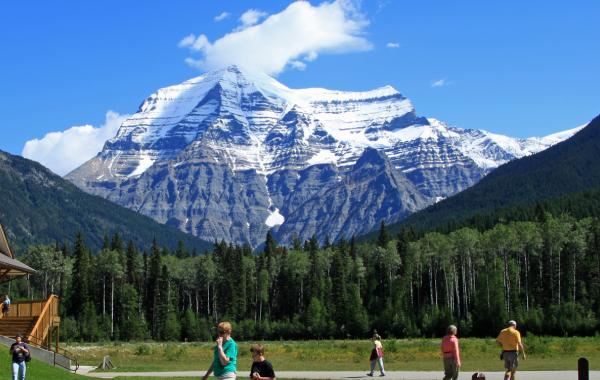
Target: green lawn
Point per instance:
(544, 353)
(39, 370)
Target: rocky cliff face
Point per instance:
(232, 154)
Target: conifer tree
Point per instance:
(339, 291)
(153, 289)
(181, 252)
(383, 238)
(80, 291)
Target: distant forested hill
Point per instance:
(38, 206)
(558, 177)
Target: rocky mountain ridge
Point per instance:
(232, 154)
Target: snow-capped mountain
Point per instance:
(231, 153)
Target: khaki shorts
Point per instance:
(227, 376)
(511, 359)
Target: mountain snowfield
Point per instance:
(232, 153)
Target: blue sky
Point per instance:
(521, 68)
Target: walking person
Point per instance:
(224, 363)
(450, 353)
(261, 369)
(376, 355)
(510, 341)
(20, 353)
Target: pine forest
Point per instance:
(544, 273)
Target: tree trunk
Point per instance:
(430, 284)
(208, 300)
(574, 275)
(112, 305)
(103, 296)
(559, 290)
(526, 258)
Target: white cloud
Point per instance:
(393, 45)
(251, 17)
(381, 4)
(194, 43)
(440, 83)
(311, 56)
(301, 32)
(197, 63)
(298, 65)
(221, 17)
(66, 150)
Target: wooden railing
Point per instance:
(74, 363)
(44, 314)
(47, 317)
(27, 308)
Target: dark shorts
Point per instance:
(511, 359)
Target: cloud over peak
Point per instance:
(251, 17)
(66, 150)
(291, 38)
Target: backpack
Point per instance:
(478, 376)
(28, 357)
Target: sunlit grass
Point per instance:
(544, 353)
(39, 370)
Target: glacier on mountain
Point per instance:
(223, 155)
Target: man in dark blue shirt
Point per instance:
(20, 352)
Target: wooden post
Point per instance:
(57, 337)
(583, 369)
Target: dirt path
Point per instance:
(349, 375)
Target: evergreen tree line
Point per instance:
(543, 273)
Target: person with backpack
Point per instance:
(20, 354)
(510, 341)
(450, 354)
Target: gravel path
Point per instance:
(349, 375)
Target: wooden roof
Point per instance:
(9, 266)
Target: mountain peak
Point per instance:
(258, 136)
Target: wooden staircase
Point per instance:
(11, 326)
(37, 321)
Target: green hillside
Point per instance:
(512, 191)
(38, 206)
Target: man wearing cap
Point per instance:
(510, 341)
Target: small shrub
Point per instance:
(569, 346)
(391, 346)
(174, 353)
(143, 350)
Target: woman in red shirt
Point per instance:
(451, 354)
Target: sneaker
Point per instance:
(382, 374)
(370, 374)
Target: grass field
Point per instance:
(39, 370)
(544, 353)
